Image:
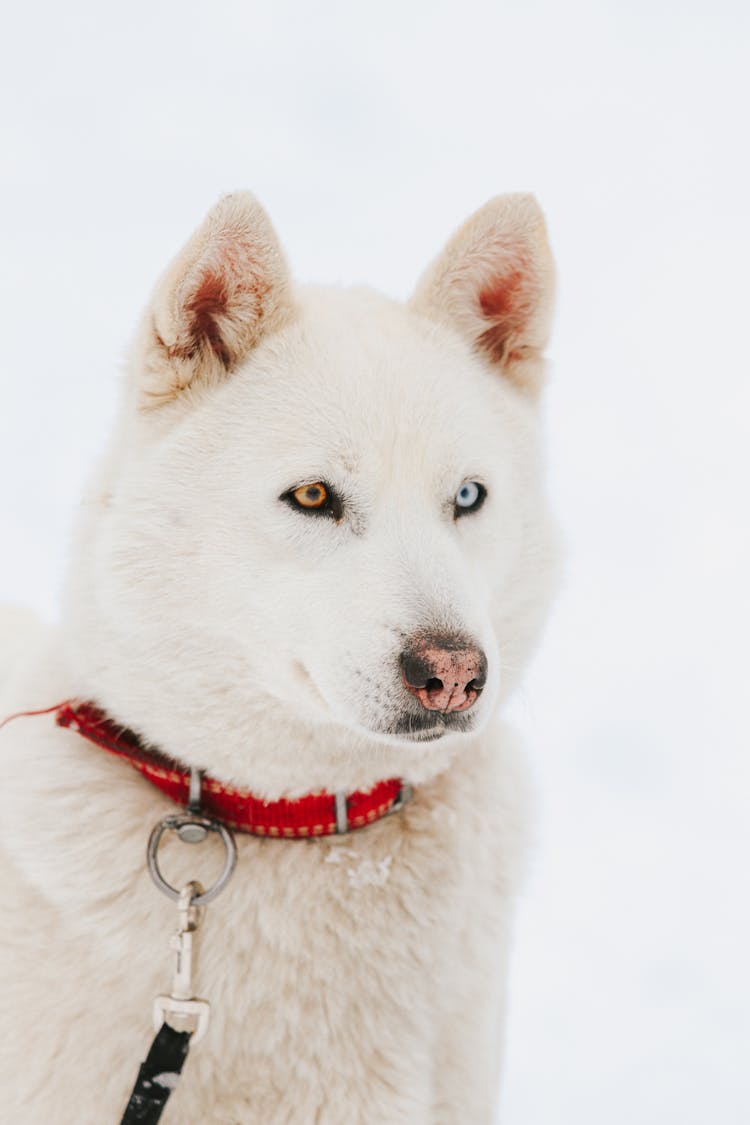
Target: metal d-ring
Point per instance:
(175, 824)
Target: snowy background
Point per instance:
(370, 132)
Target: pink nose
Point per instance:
(444, 675)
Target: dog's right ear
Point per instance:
(227, 287)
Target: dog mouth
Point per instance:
(430, 726)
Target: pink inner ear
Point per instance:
(505, 303)
(205, 307)
(222, 300)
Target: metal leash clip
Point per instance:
(181, 1009)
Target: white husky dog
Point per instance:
(313, 559)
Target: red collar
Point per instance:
(318, 814)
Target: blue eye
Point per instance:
(469, 498)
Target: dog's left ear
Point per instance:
(227, 287)
(494, 284)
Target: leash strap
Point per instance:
(157, 1077)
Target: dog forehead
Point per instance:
(356, 369)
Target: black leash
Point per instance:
(157, 1077)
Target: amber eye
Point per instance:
(315, 499)
(311, 495)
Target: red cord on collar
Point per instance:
(313, 815)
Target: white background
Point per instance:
(370, 132)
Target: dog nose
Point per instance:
(445, 675)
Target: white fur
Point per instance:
(355, 983)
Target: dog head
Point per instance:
(320, 523)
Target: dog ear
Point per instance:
(494, 283)
(227, 287)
